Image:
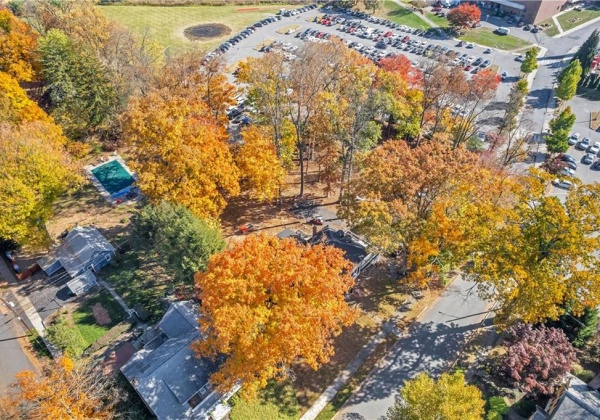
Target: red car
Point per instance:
(467, 68)
(388, 34)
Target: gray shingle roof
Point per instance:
(579, 401)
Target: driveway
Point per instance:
(431, 344)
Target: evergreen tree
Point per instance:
(568, 81)
(587, 52)
(578, 328)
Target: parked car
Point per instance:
(488, 51)
(595, 148)
(574, 139)
(583, 144)
(563, 183)
(485, 63)
(567, 172)
(520, 58)
(588, 158)
(504, 75)
(567, 158)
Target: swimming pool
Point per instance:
(113, 176)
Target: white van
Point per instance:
(503, 31)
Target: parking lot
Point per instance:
(375, 38)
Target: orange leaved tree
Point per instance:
(65, 390)
(17, 47)
(267, 303)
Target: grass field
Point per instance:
(551, 29)
(165, 25)
(485, 36)
(442, 22)
(402, 16)
(277, 401)
(84, 320)
(578, 18)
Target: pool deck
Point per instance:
(111, 198)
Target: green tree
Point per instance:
(78, 88)
(530, 62)
(66, 337)
(560, 128)
(578, 328)
(180, 241)
(568, 81)
(587, 52)
(448, 398)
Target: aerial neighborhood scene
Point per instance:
(299, 210)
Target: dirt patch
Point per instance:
(248, 9)
(101, 314)
(206, 31)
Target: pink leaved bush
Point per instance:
(537, 359)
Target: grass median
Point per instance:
(487, 37)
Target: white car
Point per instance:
(574, 139)
(520, 57)
(595, 148)
(563, 183)
(583, 144)
(567, 172)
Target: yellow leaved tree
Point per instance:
(180, 153)
(17, 47)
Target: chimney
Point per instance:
(314, 231)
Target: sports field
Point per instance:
(165, 25)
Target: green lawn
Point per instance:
(277, 401)
(402, 16)
(165, 25)
(84, 320)
(442, 22)
(485, 36)
(551, 28)
(577, 18)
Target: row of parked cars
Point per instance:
(252, 28)
(592, 150)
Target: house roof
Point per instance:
(168, 375)
(81, 246)
(355, 250)
(579, 401)
(180, 318)
(82, 281)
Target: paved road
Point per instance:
(12, 355)
(433, 342)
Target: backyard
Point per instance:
(77, 328)
(401, 15)
(166, 25)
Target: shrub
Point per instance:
(66, 337)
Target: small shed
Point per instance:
(82, 283)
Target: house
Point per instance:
(169, 377)
(83, 249)
(573, 400)
(354, 248)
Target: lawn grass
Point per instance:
(487, 37)
(276, 401)
(137, 282)
(551, 28)
(84, 320)
(165, 25)
(401, 15)
(583, 16)
(442, 22)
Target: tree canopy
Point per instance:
(539, 253)
(66, 389)
(17, 47)
(537, 359)
(568, 80)
(464, 15)
(530, 62)
(268, 303)
(560, 128)
(448, 398)
(586, 53)
(180, 153)
(177, 239)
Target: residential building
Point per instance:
(573, 400)
(170, 378)
(354, 248)
(83, 249)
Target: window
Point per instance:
(195, 400)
